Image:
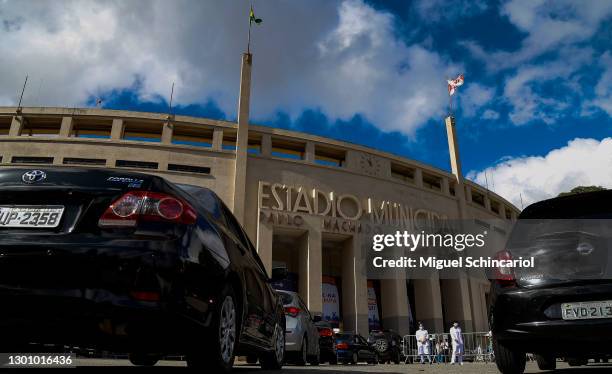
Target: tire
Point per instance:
(143, 359)
(354, 358)
(509, 361)
(315, 359)
(302, 356)
(217, 352)
(546, 362)
(274, 360)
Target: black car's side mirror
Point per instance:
(316, 318)
(279, 274)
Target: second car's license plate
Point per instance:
(31, 216)
(587, 310)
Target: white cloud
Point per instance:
(341, 57)
(583, 162)
(603, 88)
(474, 97)
(490, 114)
(549, 26)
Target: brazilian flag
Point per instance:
(252, 17)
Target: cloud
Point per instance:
(340, 57)
(439, 10)
(474, 97)
(529, 102)
(582, 162)
(548, 25)
(490, 114)
(603, 88)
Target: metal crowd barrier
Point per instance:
(477, 346)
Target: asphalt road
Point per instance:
(102, 366)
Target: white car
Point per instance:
(301, 334)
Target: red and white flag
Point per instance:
(454, 83)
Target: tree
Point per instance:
(582, 189)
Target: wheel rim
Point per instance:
(227, 329)
(280, 344)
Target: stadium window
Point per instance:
(189, 168)
(91, 128)
(195, 135)
(136, 164)
(330, 156)
(432, 182)
(229, 140)
(31, 160)
(478, 198)
(43, 126)
(5, 126)
(143, 131)
(84, 161)
(284, 148)
(402, 172)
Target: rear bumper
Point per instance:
(530, 320)
(89, 318)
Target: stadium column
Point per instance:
(242, 141)
(265, 235)
(354, 287)
(310, 265)
(16, 126)
(117, 130)
(167, 131)
(428, 300)
(66, 127)
(394, 300)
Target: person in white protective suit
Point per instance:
(422, 337)
(457, 342)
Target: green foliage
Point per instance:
(582, 189)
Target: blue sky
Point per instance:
(537, 93)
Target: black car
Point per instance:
(387, 344)
(562, 307)
(352, 348)
(327, 342)
(127, 262)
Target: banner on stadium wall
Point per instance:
(331, 299)
(373, 316)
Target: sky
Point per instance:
(533, 117)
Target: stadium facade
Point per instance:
(305, 198)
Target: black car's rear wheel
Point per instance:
(546, 362)
(316, 358)
(274, 360)
(217, 351)
(355, 358)
(509, 361)
(143, 359)
(302, 356)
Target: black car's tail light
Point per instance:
(292, 311)
(136, 206)
(150, 296)
(326, 332)
(504, 275)
(342, 345)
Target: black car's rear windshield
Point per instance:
(593, 205)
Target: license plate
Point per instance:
(31, 216)
(587, 310)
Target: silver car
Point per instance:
(301, 334)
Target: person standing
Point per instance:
(457, 342)
(422, 337)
